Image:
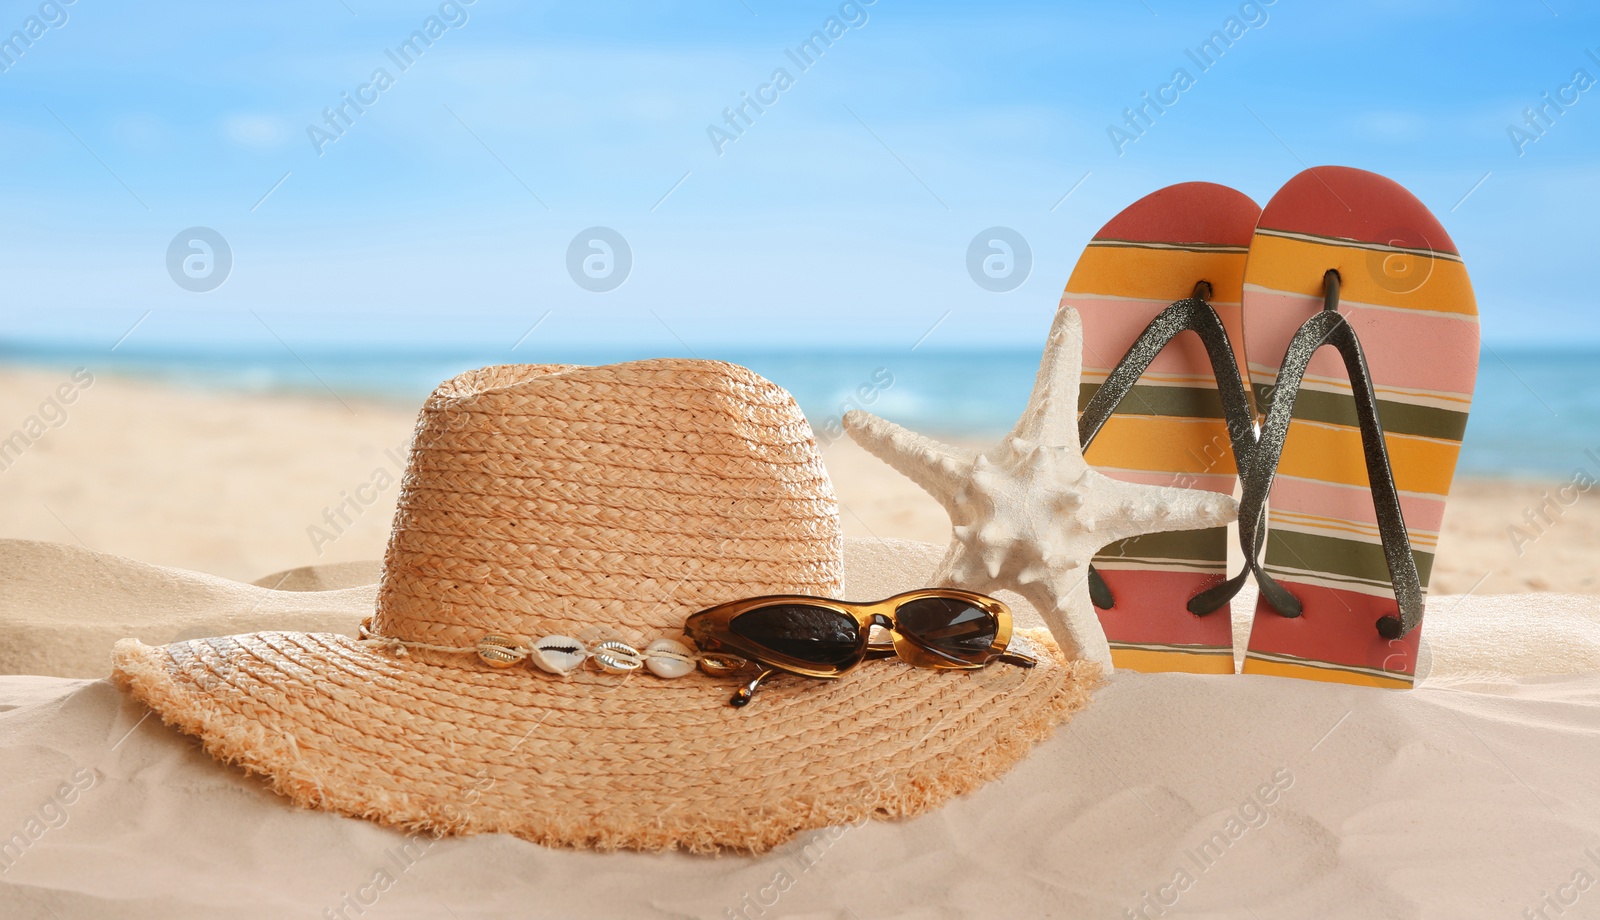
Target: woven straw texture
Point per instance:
(604, 502)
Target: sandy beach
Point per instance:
(243, 485)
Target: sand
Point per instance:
(234, 485)
(245, 485)
(1329, 804)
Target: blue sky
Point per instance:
(841, 216)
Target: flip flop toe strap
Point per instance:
(1192, 314)
(1329, 327)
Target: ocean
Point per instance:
(1536, 413)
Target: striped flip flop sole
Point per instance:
(1406, 293)
(1169, 429)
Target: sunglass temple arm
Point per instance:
(744, 694)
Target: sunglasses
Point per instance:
(816, 637)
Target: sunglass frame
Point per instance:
(711, 630)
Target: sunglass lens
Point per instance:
(811, 634)
(948, 625)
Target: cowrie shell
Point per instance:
(499, 652)
(558, 654)
(668, 658)
(615, 657)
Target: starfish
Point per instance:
(1029, 514)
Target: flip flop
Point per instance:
(1169, 428)
(1368, 429)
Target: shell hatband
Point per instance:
(561, 655)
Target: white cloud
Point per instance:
(140, 132)
(260, 132)
(1389, 126)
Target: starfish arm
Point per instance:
(937, 468)
(1052, 414)
(961, 568)
(1063, 603)
(1135, 509)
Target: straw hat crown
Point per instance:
(584, 501)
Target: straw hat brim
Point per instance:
(604, 761)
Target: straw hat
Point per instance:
(596, 503)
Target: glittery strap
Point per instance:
(1195, 315)
(1328, 327)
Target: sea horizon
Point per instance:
(1529, 419)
